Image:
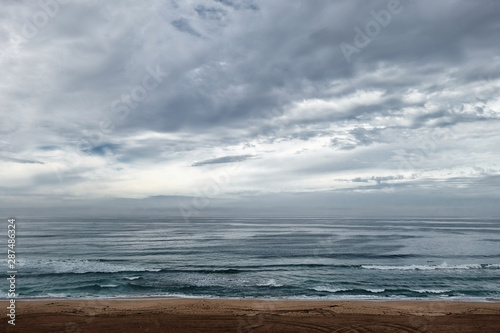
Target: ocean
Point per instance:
(290, 258)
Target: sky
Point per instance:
(250, 108)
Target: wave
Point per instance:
(329, 289)
(270, 283)
(42, 267)
(245, 269)
(386, 293)
(443, 266)
(340, 290)
(54, 295)
(217, 271)
(375, 291)
(431, 291)
(108, 285)
(78, 266)
(131, 278)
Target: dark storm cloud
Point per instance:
(277, 63)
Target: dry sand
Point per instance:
(245, 316)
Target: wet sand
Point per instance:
(242, 316)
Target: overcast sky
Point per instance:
(250, 107)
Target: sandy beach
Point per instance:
(217, 315)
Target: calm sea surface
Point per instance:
(259, 258)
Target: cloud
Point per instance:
(116, 101)
(224, 159)
(245, 4)
(184, 26)
(18, 160)
(377, 179)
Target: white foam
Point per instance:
(270, 283)
(48, 295)
(329, 289)
(376, 290)
(432, 267)
(132, 278)
(431, 291)
(347, 297)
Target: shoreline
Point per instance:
(132, 298)
(251, 315)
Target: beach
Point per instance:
(257, 275)
(251, 315)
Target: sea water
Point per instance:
(292, 258)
